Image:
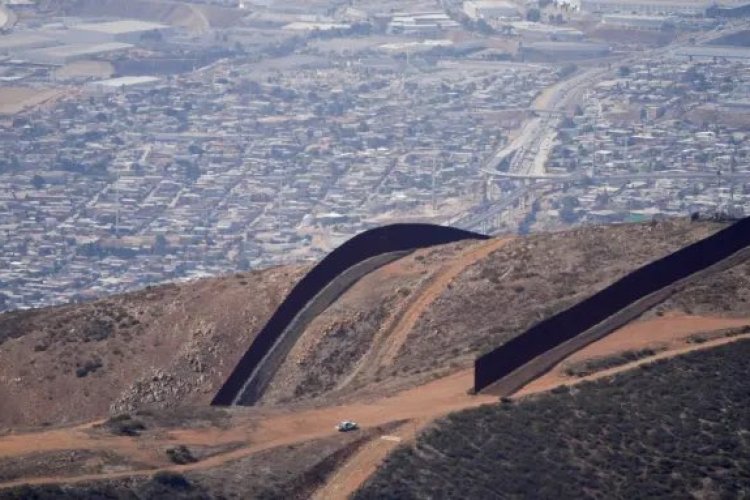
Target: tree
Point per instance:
(38, 181)
(533, 15)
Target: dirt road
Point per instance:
(669, 333)
(279, 428)
(419, 406)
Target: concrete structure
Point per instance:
(687, 8)
(491, 9)
(421, 23)
(64, 54)
(714, 53)
(541, 31)
(115, 84)
(125, 31)
(637, 22)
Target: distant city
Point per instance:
(143, 144)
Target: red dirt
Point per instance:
(421, 405)
(669, 333)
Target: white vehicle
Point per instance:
(346, 426)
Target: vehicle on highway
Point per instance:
(347, 426)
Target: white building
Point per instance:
(125, 82)
(654, 7)
(636, 22)
(421, 23)
(491, 10)
(64, 54)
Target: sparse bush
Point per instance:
(172, 480)
(667, 432)
(181, 455)
(125, 425)
(590, 366)
(88, 367)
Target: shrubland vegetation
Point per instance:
(589, 366)
(677, 428)
(163, 485)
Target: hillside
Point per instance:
(394, 352)
(677, 428)
(396, 329)
(166, 344)
(421, 317)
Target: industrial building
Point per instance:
(655, 7)
(64, 54)
(125, 82)
(491, 9)
(637, 22)
(717, 53)
(421, 23)
(124, 31)
(540, 31)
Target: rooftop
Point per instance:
(126, 81)
(120, 27)
(81, 49)
(22, 40)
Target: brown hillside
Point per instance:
(522, 281)
(159, 346)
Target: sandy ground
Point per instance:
(420, 406)
(348, 478)
(97, 69)
(398, 335)
(393, 337)
(669, 333)
(13, 100)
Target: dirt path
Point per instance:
(393, 336)
(419, 406)
(279, 428)
(405, 325)
(670, 333)
(349, 477)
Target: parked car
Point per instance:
(346, 426)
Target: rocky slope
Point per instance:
(162, 345)
(522, 281)
(426, 315)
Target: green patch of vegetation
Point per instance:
(677, 428)
(589, 366)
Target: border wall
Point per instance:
(372, 243)
(521, 359)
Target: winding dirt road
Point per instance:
(254, 431)
(391, 338)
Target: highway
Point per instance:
(529, 151)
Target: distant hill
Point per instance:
(159, 346)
